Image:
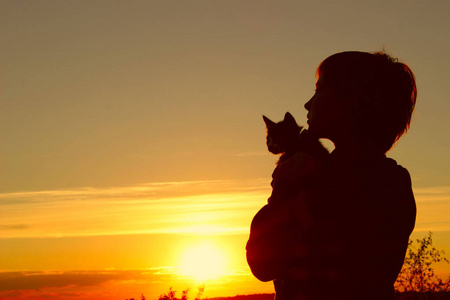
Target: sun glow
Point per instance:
(203, 261)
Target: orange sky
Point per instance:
(131, 131)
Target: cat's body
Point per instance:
(301, 156)
(287, 138)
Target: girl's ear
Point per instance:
(268, 122)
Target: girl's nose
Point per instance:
(308, 104)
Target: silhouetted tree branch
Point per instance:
(417, 273)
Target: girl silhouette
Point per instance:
(360, 205)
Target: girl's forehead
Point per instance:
(320, 81)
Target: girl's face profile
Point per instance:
(328, 114)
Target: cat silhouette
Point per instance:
(287, 138)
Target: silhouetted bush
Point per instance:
(142, 298)
(417, 274)
(171, 294)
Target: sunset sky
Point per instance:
(132, 142)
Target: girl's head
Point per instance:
(375, 93)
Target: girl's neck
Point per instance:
(357, 147)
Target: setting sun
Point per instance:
(203, 261)
(134, 153)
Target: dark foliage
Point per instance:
(171, 294)
(417, 274)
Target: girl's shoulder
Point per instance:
(388, 170)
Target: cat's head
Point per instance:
(282, 134)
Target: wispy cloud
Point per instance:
(14, 227)
(440, 193)
(193, 206)
(217, 206)
(39, 280)
(433, 208)
(256, 154)
(109, 284)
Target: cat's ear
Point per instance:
(289, 118)
(268, 122)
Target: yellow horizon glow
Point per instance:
(198, 207)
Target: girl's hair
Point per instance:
(386, 91)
